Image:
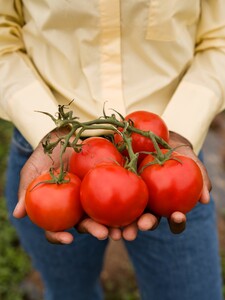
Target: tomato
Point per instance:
(95, 150)
(51, 206)
(113, 195)
(146, 121)
(175, 185)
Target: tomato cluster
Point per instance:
(100, 184)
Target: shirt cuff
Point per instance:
(191, 111)
(22, 108)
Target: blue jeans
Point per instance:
(167, 266)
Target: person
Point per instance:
(167, 57)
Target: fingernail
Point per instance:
(178, 220)
(66, 240)
(102, 238)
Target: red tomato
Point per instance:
(95, 150)
(173, 186)
(54, 207)
(112, 195)
(146, 121)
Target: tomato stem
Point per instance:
(133, 157)
(108, 124)
(160, 155)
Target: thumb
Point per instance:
(20, 211)
(28, 173)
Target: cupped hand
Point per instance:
(177, 221)
(40, 163)
(37, 164)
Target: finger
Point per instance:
(148, 222)
(59, 237)
(177, 222)
(88, 225)
(115, 234)
(130, 232)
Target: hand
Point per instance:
(177, 140)
(184, 147)
(37, 164)
(177, 220)
(40, 163)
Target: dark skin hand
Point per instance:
(40, 163)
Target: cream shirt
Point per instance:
(165, 56)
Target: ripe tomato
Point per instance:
(112, 195)
(173, 186)
(54, 207)
(146, 121)
(95, 150)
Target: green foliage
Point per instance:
(5, 135)
(126, 290)
(14, 263)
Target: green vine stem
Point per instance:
(109, 124)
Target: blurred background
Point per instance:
(19, 281)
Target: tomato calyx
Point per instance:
(56, 178)
(59, 178)
(161, 156)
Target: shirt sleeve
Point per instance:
(22, 90)
(201, 93)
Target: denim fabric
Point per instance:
(168, 266)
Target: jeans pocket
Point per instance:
(20, 143)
